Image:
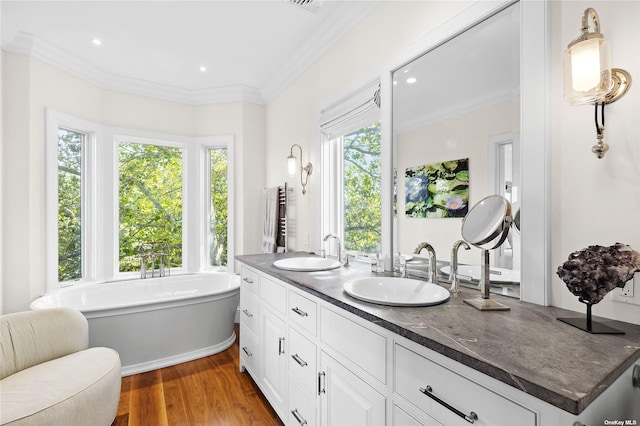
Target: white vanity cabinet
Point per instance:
(249, 292)
(318, 364)
(451, 398)
(303, 360)
(346, 399)
(272, 367)
(263, 331)
(353, 370)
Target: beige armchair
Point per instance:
(48, 376)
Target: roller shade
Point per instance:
(352, 112)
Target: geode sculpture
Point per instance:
(593, 272)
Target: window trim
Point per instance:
(101, 198)
(206, 144)
(53, 121)
(162, 141)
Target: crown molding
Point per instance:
(29, 45)
(343, 19)
(442, 114)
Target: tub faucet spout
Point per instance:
(455, 282)
(432, 259)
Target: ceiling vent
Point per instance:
(309, 5)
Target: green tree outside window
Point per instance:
(70, 146)
(362, 190)
(150, 201)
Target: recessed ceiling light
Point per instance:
(411, 80)
(203, 68)
(97, 41)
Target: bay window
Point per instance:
(108, 195)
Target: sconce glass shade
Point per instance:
(587, 70)
(291, 165)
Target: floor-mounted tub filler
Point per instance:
(157, 322)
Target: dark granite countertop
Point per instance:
(526, 347)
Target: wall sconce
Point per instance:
(291, 168)
(588, 76)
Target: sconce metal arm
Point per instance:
(307, 170)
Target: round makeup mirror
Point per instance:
(487, 224)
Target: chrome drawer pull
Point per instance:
(472, 417)
(299, 360)
(244, 348)
(299, 312)
(298, 417)
(247, 313)
(247, 280)
(321, 390)
(280, 345)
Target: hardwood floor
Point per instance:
(207, 391)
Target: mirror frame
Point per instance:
(534, 120)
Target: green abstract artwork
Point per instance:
(437, 190)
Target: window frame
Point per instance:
(172, 142)
(55, 120)
(100, 221)
(206, 144)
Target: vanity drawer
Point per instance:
(249, 309)
(273, 294)
(415, 375)
(248, 347)
(303, 362)
(303, 312)
(365, 348)
(250, 279)
(302, 409)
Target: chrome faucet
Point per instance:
(432, 259)
(338, 244)
(455, 282)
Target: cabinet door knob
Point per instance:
(471, 417)
(280, 345)
(246, 351)
(247, 313)
(247, 280)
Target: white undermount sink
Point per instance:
(307, 264)
(394, 291)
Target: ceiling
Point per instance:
(475, 69)
(250, 49)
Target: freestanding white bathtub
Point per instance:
(157, 322)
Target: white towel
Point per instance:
(270, 229)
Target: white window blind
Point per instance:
(355, 111)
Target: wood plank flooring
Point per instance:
(207, 391)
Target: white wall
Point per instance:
(30, 86)
(595, 201)
(361, 56)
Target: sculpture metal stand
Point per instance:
(590, 326)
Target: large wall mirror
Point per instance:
(456, 138)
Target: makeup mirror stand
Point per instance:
(483, 302)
